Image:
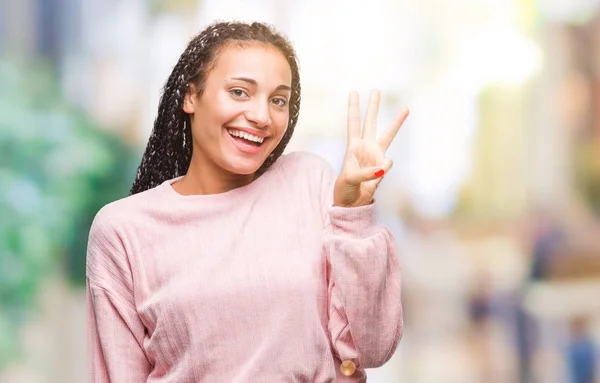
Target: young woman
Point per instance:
(231, 262)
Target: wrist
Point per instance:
(356, 221)
(354, 204)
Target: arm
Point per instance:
(364, 280)
(365, 311)
(115, 331)
(365, 319)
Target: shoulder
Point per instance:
(302, 161)
(108, 249)
(308, 172)
(110, 221)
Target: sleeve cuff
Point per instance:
(357, 222)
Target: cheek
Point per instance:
(282, 121)
(224, 110)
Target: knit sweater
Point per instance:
(268, 282)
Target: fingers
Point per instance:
(390, 133)
(369, 129)
(386, 165)
(370, 126)
(369, 173)
(353, 117)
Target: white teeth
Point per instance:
(247, 136)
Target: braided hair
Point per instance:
(169, 149)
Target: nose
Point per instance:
(259, 114)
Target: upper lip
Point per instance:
(254, 132)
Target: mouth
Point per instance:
(246, 138)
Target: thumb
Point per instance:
(385, 166)
(369, 173)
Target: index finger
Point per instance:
(353, 117)
(388, 136)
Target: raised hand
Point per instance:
(365, 163)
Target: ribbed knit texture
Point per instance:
(265, 283)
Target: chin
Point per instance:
(244, 166)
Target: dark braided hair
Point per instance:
(169, 149)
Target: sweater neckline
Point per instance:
(167, 189)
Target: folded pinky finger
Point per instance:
(386, 165)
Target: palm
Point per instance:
(362, 154)
(365, 154)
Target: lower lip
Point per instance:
(245, 147)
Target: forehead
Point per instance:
(261, 62)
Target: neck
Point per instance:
(205, 178)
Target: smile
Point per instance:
(245, 136)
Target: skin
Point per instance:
(249, 88)
(365, 162)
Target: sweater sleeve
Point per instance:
(115, 331)
(364, 282)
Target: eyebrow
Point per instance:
(253, 82)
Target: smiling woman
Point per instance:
(231, 262)
(239, 118)
(239, 65)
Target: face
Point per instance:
(243, 112)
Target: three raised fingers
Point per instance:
(369, 128)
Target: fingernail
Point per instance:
(379, 173)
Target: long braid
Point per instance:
(169, 149)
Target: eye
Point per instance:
(280, 102)
(239, 93)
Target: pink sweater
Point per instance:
(265, 283)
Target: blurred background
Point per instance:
(494, 196)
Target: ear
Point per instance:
(189, 99)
